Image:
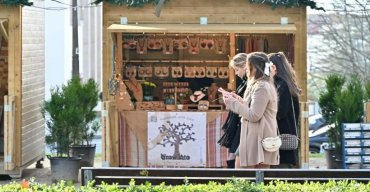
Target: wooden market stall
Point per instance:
(21, 88)
(173, 47)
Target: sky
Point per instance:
(335, 5)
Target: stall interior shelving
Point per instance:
(180, 64)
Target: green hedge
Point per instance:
(233, 185)
(16, 2)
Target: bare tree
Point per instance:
(339, 42)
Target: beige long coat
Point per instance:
(258, 110)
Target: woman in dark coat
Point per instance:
(288, 106)
(231, 128)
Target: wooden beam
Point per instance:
(105, 130)
(15, 75)
(304, 151)
(119, 54)
(201, 29)
(9, 133)
(232, 82)
(114, 135)
(110, 135)
(367, 112)
(176, 176)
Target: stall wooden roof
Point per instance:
(209, 28)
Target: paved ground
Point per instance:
(44, 175)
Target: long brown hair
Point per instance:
(285, 71)
(258, 60)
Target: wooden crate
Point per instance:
(150, 105)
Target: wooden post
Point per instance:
(110, 135)
(119, 54)
(367, 112)
(114, 135)
(304, 139)
(105, 129)
(232, 82)
(9, 133)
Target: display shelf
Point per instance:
(356, 145)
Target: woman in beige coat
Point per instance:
(258, 109)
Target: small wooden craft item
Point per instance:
(141, 72)
(161, 71)
(141, 46)
(212, 93)
(189, 72)
(194, 45)
(200, 72)
(181, 43)
(206, 44)
(123, 99)
(130, 72)
(154, 44)
(167, 45)
(129, 44)
(135, 87)
(145, 71)
(176, 72)
(211, 72)
(220, 45)
(197, 96)
(223, 72)
(150, 105)
(203, 105)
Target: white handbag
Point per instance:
(271, 144)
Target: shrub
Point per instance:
(234, 185)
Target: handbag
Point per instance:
(271, 144)
(290, 141)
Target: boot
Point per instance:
(231, 164)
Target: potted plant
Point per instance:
(340, 103)
(60, 116)
(84, 96)
(148, 90)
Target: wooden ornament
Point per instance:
(123, 99)
(135, 87)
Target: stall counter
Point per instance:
(133, 140)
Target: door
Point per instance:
(7, 104)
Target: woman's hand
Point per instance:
(229, 97)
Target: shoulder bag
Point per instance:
(290, 141)
(271, 144)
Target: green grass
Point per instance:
(317, 155)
